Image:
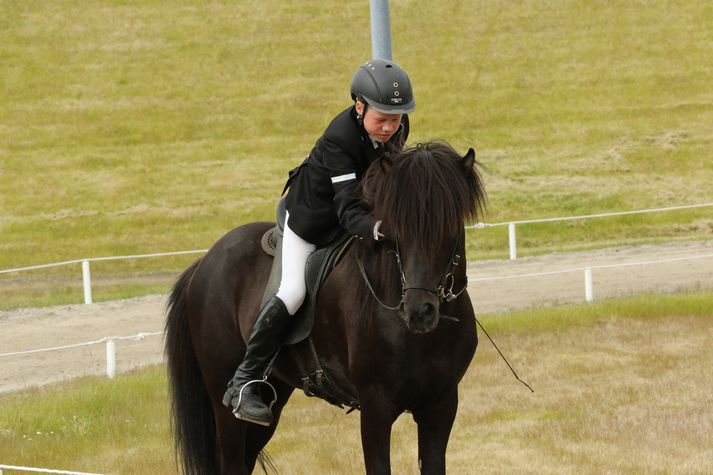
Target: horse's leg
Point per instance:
(434, 427)
(230, 439)
(221, 351)
(258, 436)
(377, 417)
(239, 443)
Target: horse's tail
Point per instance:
(192, 415)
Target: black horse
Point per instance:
(407, 357)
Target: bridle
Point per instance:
(444, 292)
(444, 289)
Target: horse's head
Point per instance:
(423, 196)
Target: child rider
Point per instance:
(322, 202)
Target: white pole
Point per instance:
(87, 278)
(513, 241)
(380, 30)
(588, 293)
(110, 359)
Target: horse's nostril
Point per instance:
(428, 310)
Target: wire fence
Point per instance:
(512, 240)
(512, 232)
(43, 470)
(589, 216)
(588, 296)
(110, 342)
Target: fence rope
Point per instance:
(601, 266)
(109, 258)
(142, 335)
(587, 216)
(45, 470)
(474, 226)
(138, 336)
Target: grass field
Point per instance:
(133, 127)
(621, 386)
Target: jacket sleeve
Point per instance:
(352, 214)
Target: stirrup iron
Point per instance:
(240, 394)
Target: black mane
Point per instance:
(424, 193)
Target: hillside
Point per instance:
(131, 127)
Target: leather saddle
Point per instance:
(315, 380)
(319, 265)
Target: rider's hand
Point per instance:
(378, 236)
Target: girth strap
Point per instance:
(319, 384)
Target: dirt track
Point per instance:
(29, 329)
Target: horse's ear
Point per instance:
(469, 161)
(386, 162)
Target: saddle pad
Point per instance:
(268, 242)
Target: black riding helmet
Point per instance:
(383, 85)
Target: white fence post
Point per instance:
(87, 278)
(513, 241)
(110, 359)
(588, 293)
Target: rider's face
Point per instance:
(379, 125)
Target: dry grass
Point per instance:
(621, 387)
(619, 396)
(614, 396)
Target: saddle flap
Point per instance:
(319, 265)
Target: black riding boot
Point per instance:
(266, 338)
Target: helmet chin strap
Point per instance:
(360, 117)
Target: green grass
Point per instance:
(641, 307)
(134, 127)
(612, 379)
(90, 424)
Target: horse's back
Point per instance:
(236, 263)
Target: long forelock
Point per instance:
(426, 195)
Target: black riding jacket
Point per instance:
(323, 197)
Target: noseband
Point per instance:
(444, 290)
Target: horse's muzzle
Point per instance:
(420, 313)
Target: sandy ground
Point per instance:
(31, 329)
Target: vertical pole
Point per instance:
(513, 241)
(110, 359)
(588, 293)
(87, 278)
(380, 29)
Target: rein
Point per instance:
(371, 289)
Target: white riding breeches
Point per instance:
(295, 252)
